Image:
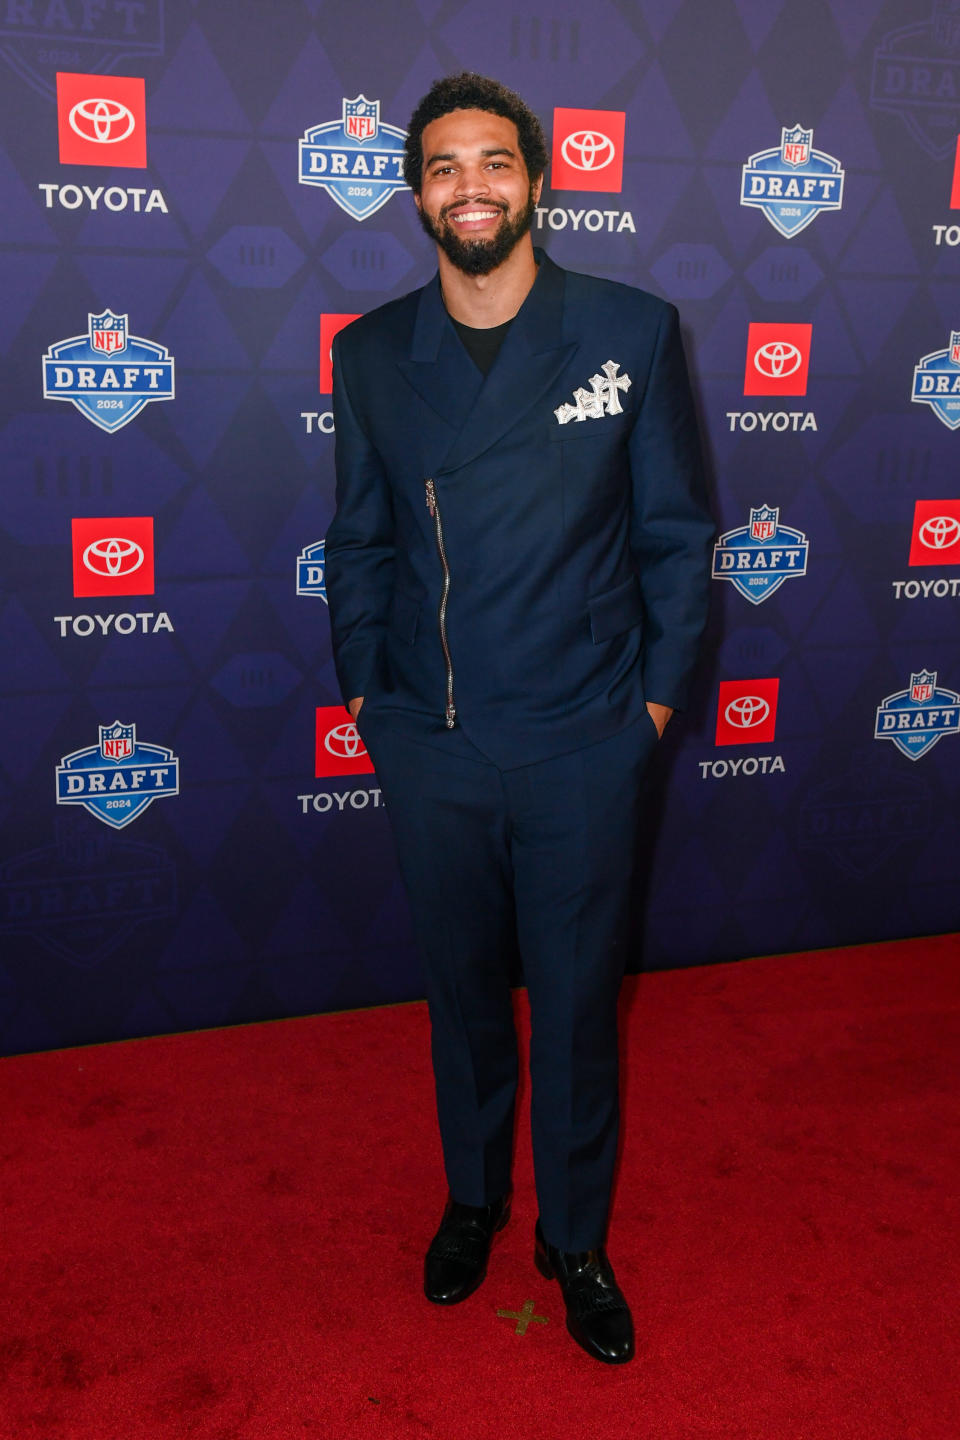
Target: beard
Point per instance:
(479, 257)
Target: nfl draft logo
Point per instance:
(35, 40)
(105, 886)
(357, 159)
(311, 576)
(760, 556)
(119, 778)
(936, 382)
(916, 75)
(792, 183)
(109, 374)
(916, 718)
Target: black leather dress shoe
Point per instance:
(598, 1316)
(457, 1258)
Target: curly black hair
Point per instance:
(468, 91)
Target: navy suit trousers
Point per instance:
(541, 857)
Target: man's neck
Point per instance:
(484, 301)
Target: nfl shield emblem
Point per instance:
(117, 742)
(108, 332)
(946, 23)
(763, 522)
(919, 717)
(795, 146)
(955, 347)
(361, 118)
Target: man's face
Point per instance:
(476, 199)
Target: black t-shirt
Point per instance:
(483, 346)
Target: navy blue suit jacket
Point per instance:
(578, 552)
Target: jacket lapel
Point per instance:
(531, 357)
(442, 374)
(480, 411)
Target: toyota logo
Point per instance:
(939, 532)
(588, 150)
(113, 556)
(747, 711)
(344, 742)
(105, 122)
(777, 359)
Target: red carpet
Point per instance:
(220, 1235)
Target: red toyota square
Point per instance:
(340, 751)
(330, 325)
(102, 120)
(955, 192)
(778, 357)
(113, 556)
(747, 712)
(936, 533)
(588, 150)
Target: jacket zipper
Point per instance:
(434, 508)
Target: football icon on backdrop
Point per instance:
(102, 120)
(778, 358)
(340, 750)
(747, 711)
(113, 556)
(588, 150)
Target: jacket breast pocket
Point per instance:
(611, 428)
(615, 610)
(404, 617)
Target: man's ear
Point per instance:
(537, 190)
(417, 201)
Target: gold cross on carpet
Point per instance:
(523, 1317)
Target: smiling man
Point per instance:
(517, 574)
(477, 235)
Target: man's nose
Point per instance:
(472, 184)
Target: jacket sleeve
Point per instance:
(359, 550)
(671, 529)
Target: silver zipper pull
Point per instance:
(431, 497)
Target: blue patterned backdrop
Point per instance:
(785, 171)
